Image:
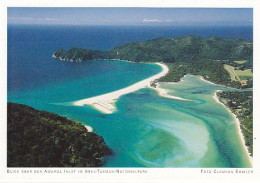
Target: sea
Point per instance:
(146, 130)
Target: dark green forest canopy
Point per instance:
(42, 139)
(184, 55)
(79, 54)
(187, 48)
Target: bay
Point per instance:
(147, 130)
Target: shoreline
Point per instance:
(89, 128)
(106, 103)
(202, 78)
(237, 122)
(164, 92)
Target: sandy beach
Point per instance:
(89, 128)
(201, 78)
(238, 126)
(207, 80)
(164, 92)
(212, 82)
(106, 103)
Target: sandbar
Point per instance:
(164, 92)
(106, 103)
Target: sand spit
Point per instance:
(106, 103)
(164, 93)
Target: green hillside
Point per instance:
(42, 139)
(79, 54)
(184, 55)
(188, 48)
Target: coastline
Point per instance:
(241, 136)
(237, 124)
(164, 92)
(106, 103)
(201, 77)
(89, 128)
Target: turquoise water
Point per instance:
(146, 130)
(77, 80)
(161, 132)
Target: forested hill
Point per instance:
(185, 55)
(80, 54)
(188, 48)
(42, 139)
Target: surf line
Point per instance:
(106, 103)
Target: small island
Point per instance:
(42, 139)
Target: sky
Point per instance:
(130, 16)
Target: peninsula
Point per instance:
(184, 55)
(227, 62)
(105, 102)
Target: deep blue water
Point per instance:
(146, 130)
(36, 44)
(108, 37)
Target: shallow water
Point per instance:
(161, 132)
(152, 131)
(146, 130)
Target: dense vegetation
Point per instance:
(241, 103)
(192, 55)
(79, 54)
(42, 139)
(189, 54)
(210, 70)
(188, 48)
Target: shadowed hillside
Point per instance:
(42, 139)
